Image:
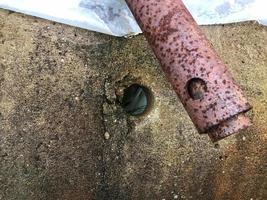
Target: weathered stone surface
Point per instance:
(60, 89)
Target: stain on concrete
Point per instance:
(60, 95)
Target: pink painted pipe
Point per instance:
(207, 90)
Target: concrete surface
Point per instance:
(60, 89)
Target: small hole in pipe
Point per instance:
(197, 88)
(136, 100)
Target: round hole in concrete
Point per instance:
(196, 88)
(136, 100)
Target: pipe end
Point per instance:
(229, 127)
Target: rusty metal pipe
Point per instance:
(207, 90)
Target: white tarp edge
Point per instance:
(113, 17)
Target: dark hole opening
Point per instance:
(136, 100)
(197, 88)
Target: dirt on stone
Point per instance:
(64, 134)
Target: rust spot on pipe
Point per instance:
(207, 90)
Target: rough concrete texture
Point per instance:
(60, 92)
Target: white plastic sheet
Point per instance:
(113, 16)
